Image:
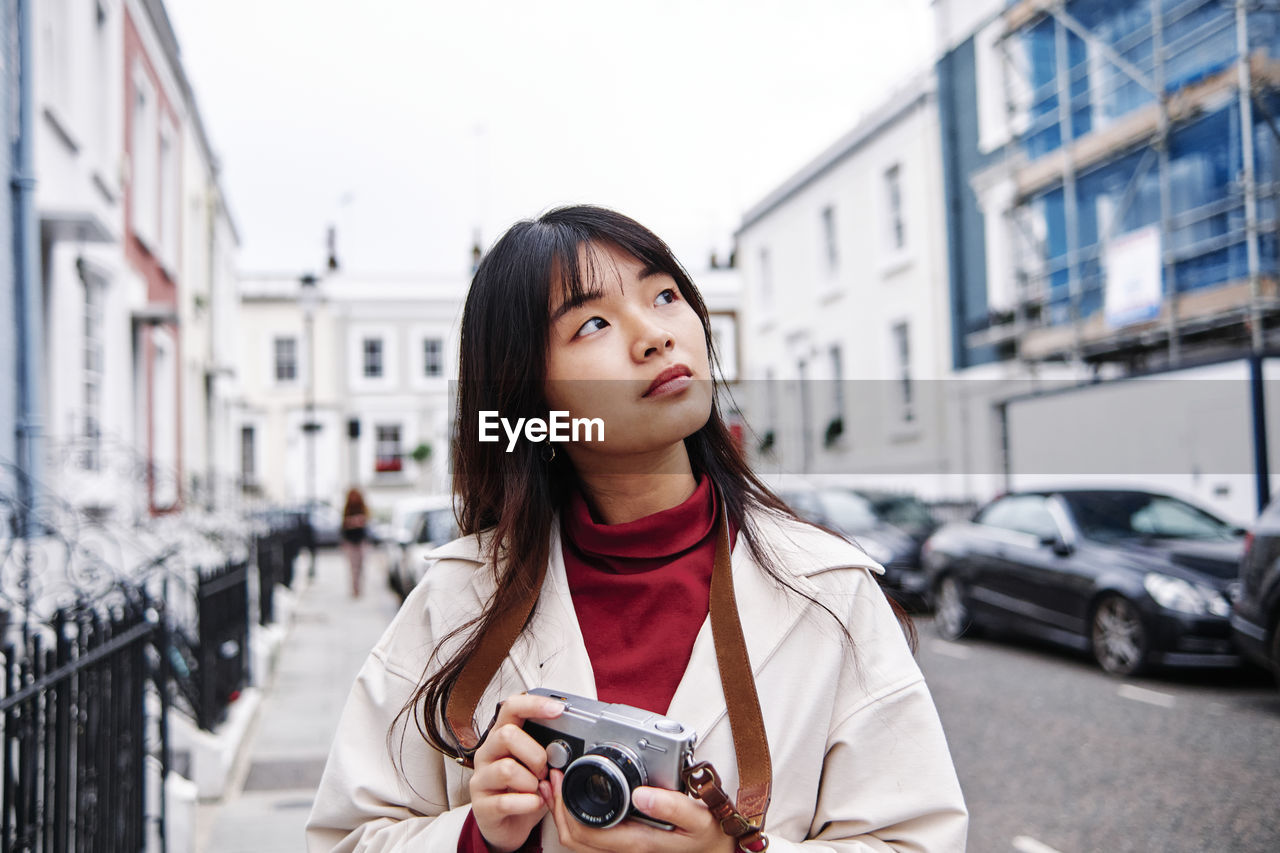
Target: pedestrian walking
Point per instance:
(642, 564)
(355, 520)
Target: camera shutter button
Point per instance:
(558, 754)
(668, 726)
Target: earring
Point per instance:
(548, 453)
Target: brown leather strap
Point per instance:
(704, 784)
(481, 667)
(750, 744)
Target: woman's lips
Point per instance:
(673, 379)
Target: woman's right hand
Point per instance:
(507, 796)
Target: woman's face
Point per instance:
(635, 356)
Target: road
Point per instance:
(1055, 755)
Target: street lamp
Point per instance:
(308, 296)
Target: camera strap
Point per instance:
(743, 820)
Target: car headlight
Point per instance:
(1185, 597)
(1219, 604)
(875, 549)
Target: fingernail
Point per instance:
(642, 798)
(553, 708)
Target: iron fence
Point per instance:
(210, 660)
(107, 623)
(75, 725)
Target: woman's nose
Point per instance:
(651, 339)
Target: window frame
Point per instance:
(430, 355)
(383, 462)
(366, 364)
(276, 361)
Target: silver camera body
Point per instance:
(606, 751)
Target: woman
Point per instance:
(585, 311)
(354, 520)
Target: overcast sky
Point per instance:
(413, 123)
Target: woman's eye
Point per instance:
(595, 324)
(666, 297)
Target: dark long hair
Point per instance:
(502, 367)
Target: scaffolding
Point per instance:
(1143, 130)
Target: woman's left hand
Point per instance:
(696, 831)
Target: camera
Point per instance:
(606, 751)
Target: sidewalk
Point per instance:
(271, 788)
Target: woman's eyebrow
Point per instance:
(575, 301)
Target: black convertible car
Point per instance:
(1137, 578)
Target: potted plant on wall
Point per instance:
(834, 430)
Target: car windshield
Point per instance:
(1139, 515)
(847, 511)
(904, 511)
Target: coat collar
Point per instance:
(801, 548)
(552, 654)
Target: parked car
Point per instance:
(1137, 578)
(904, 511)
(435, 527)
(1255, 615)
(860, 517)
(406, 514)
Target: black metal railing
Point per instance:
(269, 556)
(211, 663)
(106, 626)
(75, 725)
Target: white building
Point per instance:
(89, 415)
(846, 308)
(137, 256)
(207, 313)
(377, 367)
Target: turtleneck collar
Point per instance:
(666, 533)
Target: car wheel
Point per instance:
(951, 615)
(1117, 636)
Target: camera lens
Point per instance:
(597, 787)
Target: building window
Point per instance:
(145, 161)
(829, 236)
(372, 349)
(837, 381)
(56, 51)
(170, 178)
(92, 372)
(248, 457)
(387, 448)
(102, 72)
(902, 348)
(893, 196)
(286, 359)
(766, 279)
(433, 357)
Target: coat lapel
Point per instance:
(767, 612)
(551, 653)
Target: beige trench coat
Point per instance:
(859, 758)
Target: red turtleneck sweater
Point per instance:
(641, 591)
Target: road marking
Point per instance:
(1142, 694)
(1027, 844)
(951, 650)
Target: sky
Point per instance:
(414, 125)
